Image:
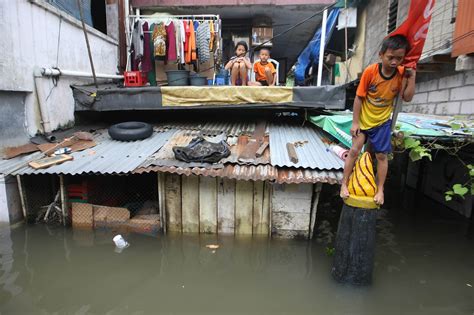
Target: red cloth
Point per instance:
(170, 43)
(415, 29)
(187, 33)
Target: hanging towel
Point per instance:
(170, 42)
(203, 38)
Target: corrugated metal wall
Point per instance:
(463, 39)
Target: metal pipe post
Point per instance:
(322, 43)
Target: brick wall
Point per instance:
(376, 29)
(452, 94)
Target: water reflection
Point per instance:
(63, 271)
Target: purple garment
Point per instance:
(146, 59)
(170, 43)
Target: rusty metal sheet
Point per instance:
(463, 38)
(253, 173)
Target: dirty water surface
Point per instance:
(424, 265)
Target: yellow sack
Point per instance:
(362, 187)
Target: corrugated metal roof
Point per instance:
(254, 173)
(312, 154)
(213, 128)
(107, 157)
(316, 163)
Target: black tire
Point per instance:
(130, 131)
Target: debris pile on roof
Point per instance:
(258, 151)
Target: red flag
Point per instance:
(415, 29)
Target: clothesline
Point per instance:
(204, 17)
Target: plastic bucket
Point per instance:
(177, 77)
(198, 80)
(120, 242)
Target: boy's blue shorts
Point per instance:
(380, 137)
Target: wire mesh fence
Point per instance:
(127, 203)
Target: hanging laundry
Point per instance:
(186, 35)
(170, 42)
(159, 41)
(137, 44)
(177, 36)
(182, 39)
(196, 25)
(211, 41)
(151, 48)
(203, 38)
(146, 60)
(191, 52)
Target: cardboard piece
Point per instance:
(12, 152)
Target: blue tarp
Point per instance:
(310, 55)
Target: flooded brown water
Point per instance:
(424, 265)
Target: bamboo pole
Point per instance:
(87, 43)
(63, 198)
(22, 196)
(314, 208)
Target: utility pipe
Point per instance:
(50, 72)
(322, 43)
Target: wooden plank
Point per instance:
(207, 205)
(173, 202)
(290, 147)
(262, 148)
(161, 199)
(225, 205)
(258, 215)
(243, 207)
(190, 203)
(49, 161)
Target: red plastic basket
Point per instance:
(134, 78)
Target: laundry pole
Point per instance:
(322, 43)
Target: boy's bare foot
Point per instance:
(379, 197)
(344, 192)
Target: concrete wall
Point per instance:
(376, 29)
(291, 210)
(10, 203)
(36, 34)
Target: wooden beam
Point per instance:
(243, 207)
(190, 204)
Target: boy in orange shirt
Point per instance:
(379, 86)
(264, 70)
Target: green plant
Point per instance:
(462, 189)
(419, 148)
(330, 251)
